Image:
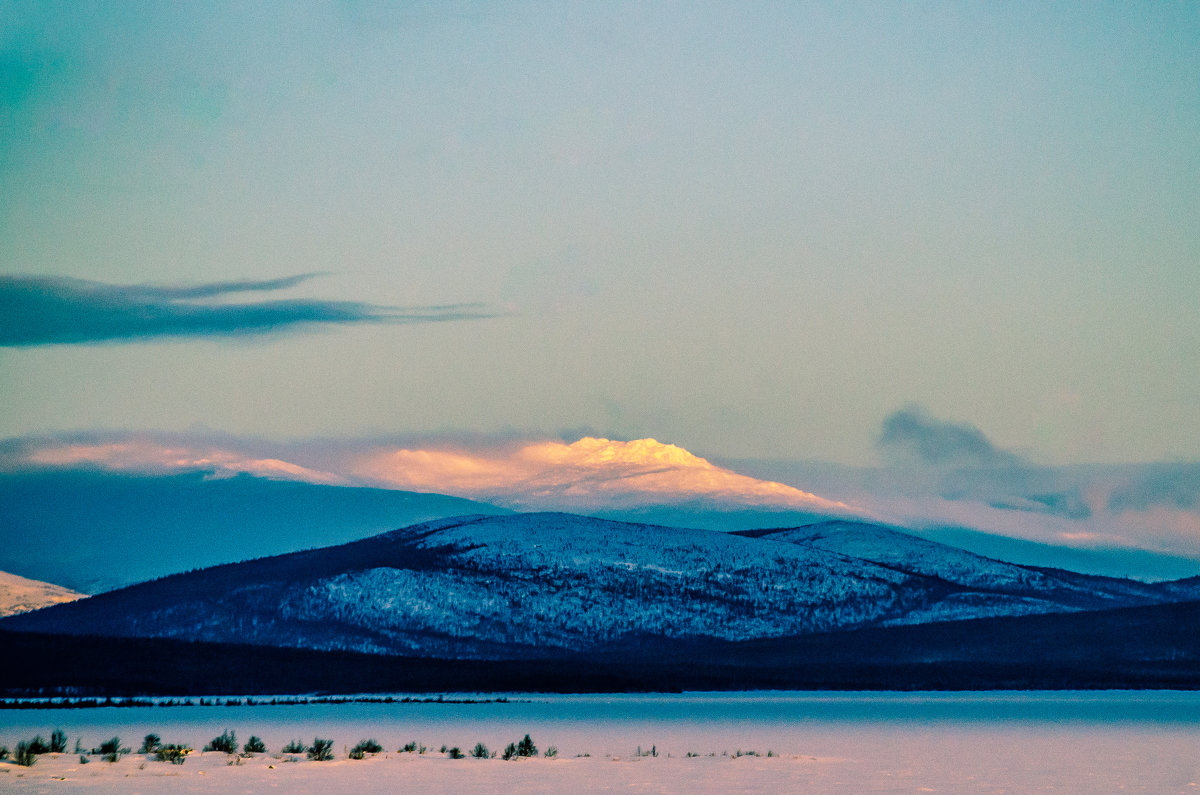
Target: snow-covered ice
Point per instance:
(823, 743)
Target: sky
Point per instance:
(776, 232)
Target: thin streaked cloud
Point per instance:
(39, 310)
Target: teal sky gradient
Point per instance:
(754, 230)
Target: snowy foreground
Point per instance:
(919, 762)
(1015, 742)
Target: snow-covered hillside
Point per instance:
(538, 584)
(21, 595)
(908, 553)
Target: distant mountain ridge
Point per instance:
(540, 585)
(22, 595)
(93, 530)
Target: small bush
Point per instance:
(58, 741)
(444, 749)
(456, 753)
(175, 754)
(227, 742)
(368, 747)
(321, 750)
(551, 752)
(3, 752)
(24, 756)
(111, 749)
(294, 747)
(409, 748)
(480, 751)
(83, 759)
(38, 746)
(254, 746)
(510, 751)
(526, 747)
(150, 744)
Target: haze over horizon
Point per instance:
(949, 250)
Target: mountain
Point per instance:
(544, 585)
(93, 530)
(21, 595)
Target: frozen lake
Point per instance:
(869, 742)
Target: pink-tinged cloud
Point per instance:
(148, 456)
(1159, 529)
(589, 473)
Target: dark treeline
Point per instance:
(1143, 647)
(92, 702)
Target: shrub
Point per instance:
(254, 746)
(175, 754)
(3, 752)
(368, 747)
(480, 751)
(510, 751)
(150, 744)
(111, 749)
(551, 752)
(456, 753)
(294, 747)
(58, 741)
(38, 746)
(227, 742)
(526, 747)
(321, 750)
(409, 748)
(24, 756)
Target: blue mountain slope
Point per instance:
(93, 531)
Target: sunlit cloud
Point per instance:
(150, 457)
(39, 310)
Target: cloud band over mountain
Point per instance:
(39, 310)
(545, 475)
(1149, 507)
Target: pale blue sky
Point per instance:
(755, 230)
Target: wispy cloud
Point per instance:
(911, 432)
(149, 456)
(1165, 485)
(957, 461)
(37, 310)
